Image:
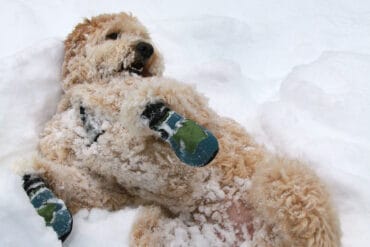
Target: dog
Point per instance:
(97, 152)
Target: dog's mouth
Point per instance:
(137, 67)
(143, 51)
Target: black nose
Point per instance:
(144, 49)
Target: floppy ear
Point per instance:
(78, 38)
(75, 41)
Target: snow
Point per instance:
(29, 94)
(294, 73)
(101, 228)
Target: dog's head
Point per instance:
(109, 46)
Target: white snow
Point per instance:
(101, 228)
(296, 74)
(29, 93)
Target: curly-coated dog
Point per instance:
(97, 152)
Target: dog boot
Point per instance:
(48, 206)
(193, 144)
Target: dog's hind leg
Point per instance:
(290, 199)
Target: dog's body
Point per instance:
(96, 152)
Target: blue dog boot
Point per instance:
(48, 206)
(193, 144)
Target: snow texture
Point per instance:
(101, 228)
(294, 73)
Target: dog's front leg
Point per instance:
(80, 189)
(175, 113)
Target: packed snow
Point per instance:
(296, 74)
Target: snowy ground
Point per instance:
(296, 74)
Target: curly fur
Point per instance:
(245, 195)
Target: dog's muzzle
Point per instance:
(143, 51)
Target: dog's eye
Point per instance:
(113, 36)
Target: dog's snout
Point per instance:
(144, 49)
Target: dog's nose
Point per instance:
(144, 49)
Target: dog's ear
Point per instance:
(75, 41)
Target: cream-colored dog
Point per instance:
(97, 152)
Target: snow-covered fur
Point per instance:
(96, 152)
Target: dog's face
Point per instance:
(109, 46)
